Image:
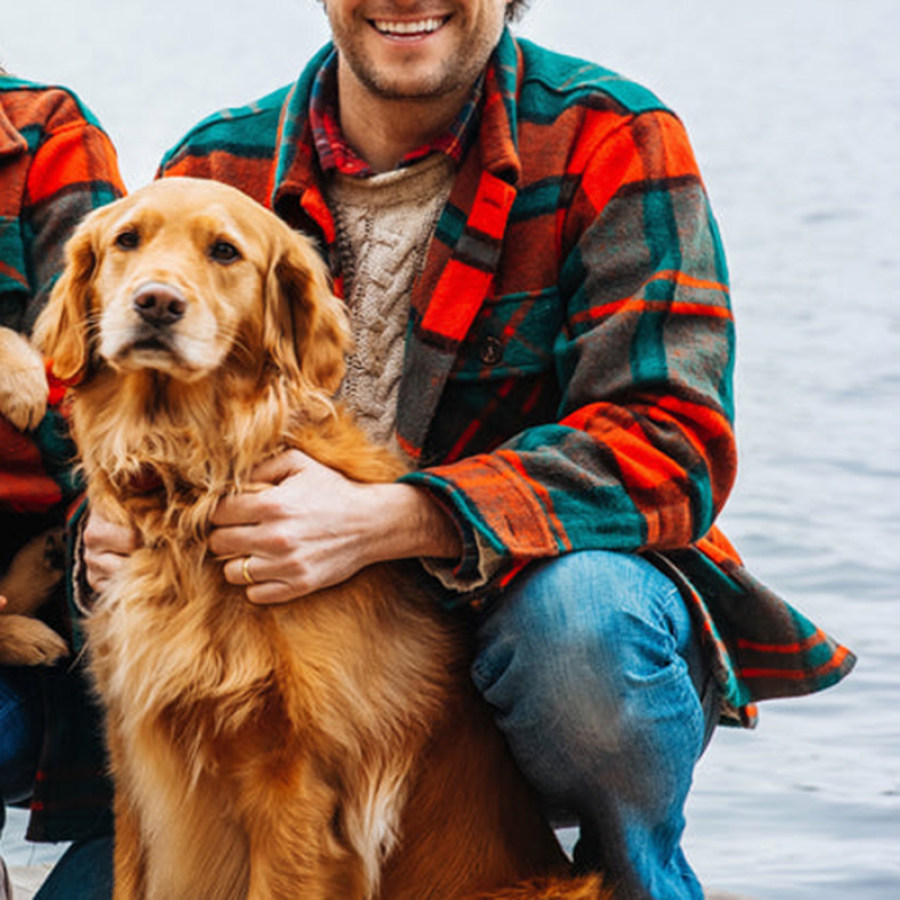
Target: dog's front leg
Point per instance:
(128, 856)
(297, 844)
(129, 862)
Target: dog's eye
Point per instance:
(223, 252)
(128, 240)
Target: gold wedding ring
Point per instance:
(245, 571)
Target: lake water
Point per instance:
(794, 110)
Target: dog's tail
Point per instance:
(586, 887)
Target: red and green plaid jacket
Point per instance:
(56, 165)
(567, 378)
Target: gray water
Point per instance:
(794, 111)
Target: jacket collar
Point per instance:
(296, 168)
(11, 141)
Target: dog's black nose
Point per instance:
(159, 304)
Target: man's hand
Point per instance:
(311, 528)
(106, 545)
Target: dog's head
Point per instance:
(185, 274)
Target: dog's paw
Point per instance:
(23, 381)
(29, 642)
(34, 572)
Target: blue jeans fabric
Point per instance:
(20, 733)
(84, 872)
(597, 679)
(596, 676)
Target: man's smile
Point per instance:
(409, 29)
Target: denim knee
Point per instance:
(593, 655)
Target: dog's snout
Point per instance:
(159, 304)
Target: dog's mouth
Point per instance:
(162, 352)
(148, 349)
(152, 343)
(147, 344)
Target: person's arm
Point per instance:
(642, 455)
(73, 171)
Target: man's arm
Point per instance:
(642, 454)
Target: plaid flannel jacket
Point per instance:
(56, 165)
(567, 379)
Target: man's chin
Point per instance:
(412, 87)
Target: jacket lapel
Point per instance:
(447, 298)
(464, 254)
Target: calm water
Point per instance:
(794, 109)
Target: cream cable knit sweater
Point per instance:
(384, 225)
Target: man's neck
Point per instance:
(382, 130)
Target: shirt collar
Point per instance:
(335, 154)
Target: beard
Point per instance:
(412, 75)
(448, 79)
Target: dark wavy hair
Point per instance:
(516, 10)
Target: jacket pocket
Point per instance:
(513, 335)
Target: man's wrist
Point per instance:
(422, 527)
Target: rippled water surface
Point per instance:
(794, 110)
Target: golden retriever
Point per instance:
(36, 569)
(327, 749)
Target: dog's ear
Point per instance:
(62, 331)
(306, 330)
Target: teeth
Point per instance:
(426, 26)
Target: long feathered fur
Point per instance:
(327, 748)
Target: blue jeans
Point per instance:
(597, 679)
(85, 871)
(20, 733)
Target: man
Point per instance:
(541, 322)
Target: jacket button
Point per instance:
(491, 351)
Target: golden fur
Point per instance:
(331, 748)
(23, 384)
(27, 584)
